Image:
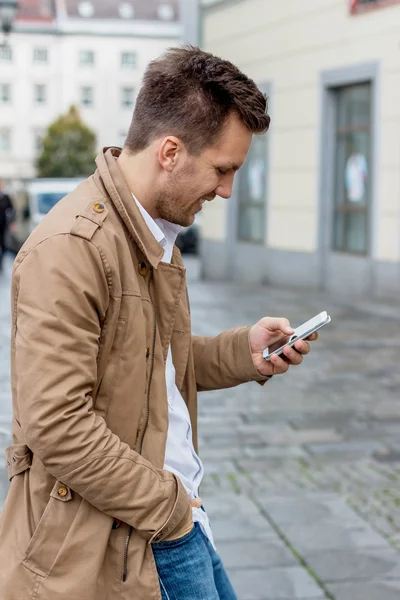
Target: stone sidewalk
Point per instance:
(303, 475)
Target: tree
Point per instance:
(68, 148)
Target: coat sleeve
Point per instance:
(224, 361)
(60, 297)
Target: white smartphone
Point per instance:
(300, 333)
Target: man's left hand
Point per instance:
(265, 333)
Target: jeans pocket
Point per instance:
(168, 544)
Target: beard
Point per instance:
(175, 202)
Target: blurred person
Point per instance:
(6, 213)
(104, 470)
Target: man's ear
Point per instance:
(170, 151)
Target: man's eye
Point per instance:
(222, 171)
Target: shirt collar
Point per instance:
(163, 230)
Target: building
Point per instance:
(88, 53)
(318, 200)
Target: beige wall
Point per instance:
(289, 43)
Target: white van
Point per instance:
(45, 193)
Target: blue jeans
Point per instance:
(190, 569)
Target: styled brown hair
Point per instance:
(190, 93)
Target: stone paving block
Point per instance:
(369, 590)
(308, 510)
(282, 583)
(356, 447)
(305, 436)
(365, 564)
(275, 451)
(333, 535)
(227, 505)
(219, 466)
(241, 527)
(266, 554)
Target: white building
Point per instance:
(88, 53)
(318, 201)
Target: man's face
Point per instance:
(197, 179)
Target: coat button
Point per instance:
(143, 269)
(147, 352)
(99, 208)
(62, 491)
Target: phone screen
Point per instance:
(281, 342)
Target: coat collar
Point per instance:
(120, 195)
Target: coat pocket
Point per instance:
(110, 376)
(52, 529)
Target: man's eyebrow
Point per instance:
(229, 165)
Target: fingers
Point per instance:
(196, 502)
(313, 337)
(303, 347)
(279, 365)
(293, 356)
(273, 324)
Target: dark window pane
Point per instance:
(356, 232)
(353, 106)
(352, 168)
(338, 231)
(251, 224)
(46, 201)
(251, 189)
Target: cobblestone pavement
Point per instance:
(303, 475)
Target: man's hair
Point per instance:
(190, 93)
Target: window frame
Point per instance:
(9, 99)
(86, 104)
(124, 103)
(6, 130)
(128, 65)
(4, 48)
(38, 102)
(329, 80)
(85, 63)
(36, 51)
(345, 208)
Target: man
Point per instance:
(103, 501)
(6, 210)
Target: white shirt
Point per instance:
(180, 455)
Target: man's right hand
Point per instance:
(195, 503)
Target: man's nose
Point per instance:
(224, 190)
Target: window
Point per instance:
(86, 58)
(128, 97)
(251, 190)
(128, 60)
(352, 168)
(40, 55)
(40, 94)
(46, 201)
(5, 93)
(5, 140)
(86, 96)
(5, 53)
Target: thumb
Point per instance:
(276, 325)
(196, 502)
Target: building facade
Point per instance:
(88, 53)
(317, 202)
